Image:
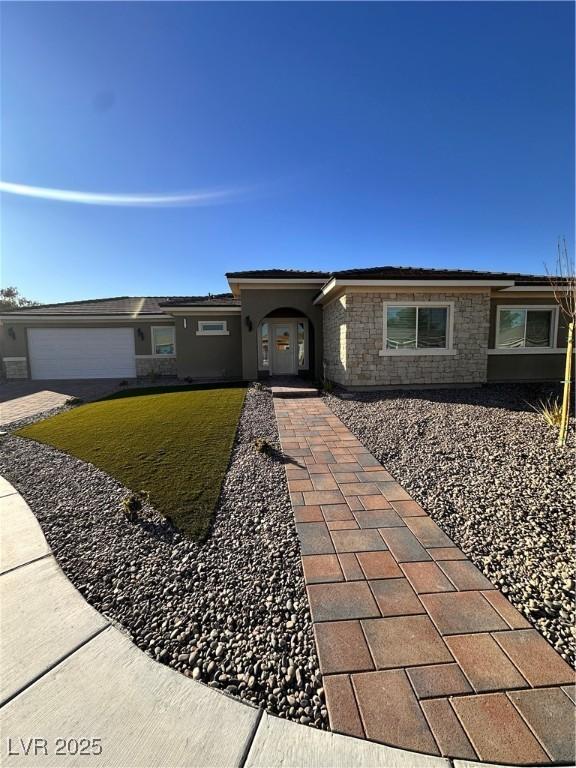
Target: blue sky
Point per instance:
(347, 134)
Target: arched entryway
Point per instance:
(285, 343)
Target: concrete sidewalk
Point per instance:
(76, 692)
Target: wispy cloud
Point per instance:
(189, 198)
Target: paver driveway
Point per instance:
(417, 648)
(23, 399)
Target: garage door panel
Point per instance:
(81, 353)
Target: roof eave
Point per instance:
(334, 283)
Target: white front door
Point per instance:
(284, 359)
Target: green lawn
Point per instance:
(174, 443)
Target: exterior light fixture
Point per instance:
(141, 334)
(248, 322)
(12, 333)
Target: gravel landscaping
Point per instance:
(487, 469)
(231, 612)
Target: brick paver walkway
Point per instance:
(417, 648)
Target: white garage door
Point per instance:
(81, 353)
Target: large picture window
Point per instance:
(519, 327)
(424, 327)
(163, 342)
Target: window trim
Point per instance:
(447, 350)
(553, 339)
(201, 332)
(153, 345)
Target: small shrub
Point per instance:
(74, 401)
(327, 386)
(263, 446)
(132, 504)
(259, 386)
(550, 410)
(123, 383)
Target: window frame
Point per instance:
(417, 351)
(201, 332)
(553, 339)
(153, 344)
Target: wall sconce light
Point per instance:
(12, 333)
(248, 322)
(140, 334)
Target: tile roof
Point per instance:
(392, 273)
(139, 306)
(427, 273)
(117, 305)
(131, 306)
(287, 274)
(212, 300)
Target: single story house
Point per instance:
(361, 328)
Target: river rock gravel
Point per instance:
(486, 467)
(231, 612)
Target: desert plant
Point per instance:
(550, 410)
(564, 286)
(132, 504)
(263, 446)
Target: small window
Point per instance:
(212, 328)
(163, 340)
(519, 327)
(416, 327)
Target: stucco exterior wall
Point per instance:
(364, 367)
(208, 357)
(525, 368)
(259, 302)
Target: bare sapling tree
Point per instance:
(563, 283)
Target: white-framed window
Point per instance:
(418, 328)
(163, 340)
(521, 327)
(263, 345)
(212, 328)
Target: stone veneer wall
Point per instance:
(16, 369)
(160, 366)
(335, 331)
(360, 364)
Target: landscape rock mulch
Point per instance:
(486, 467)
(231, 612)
